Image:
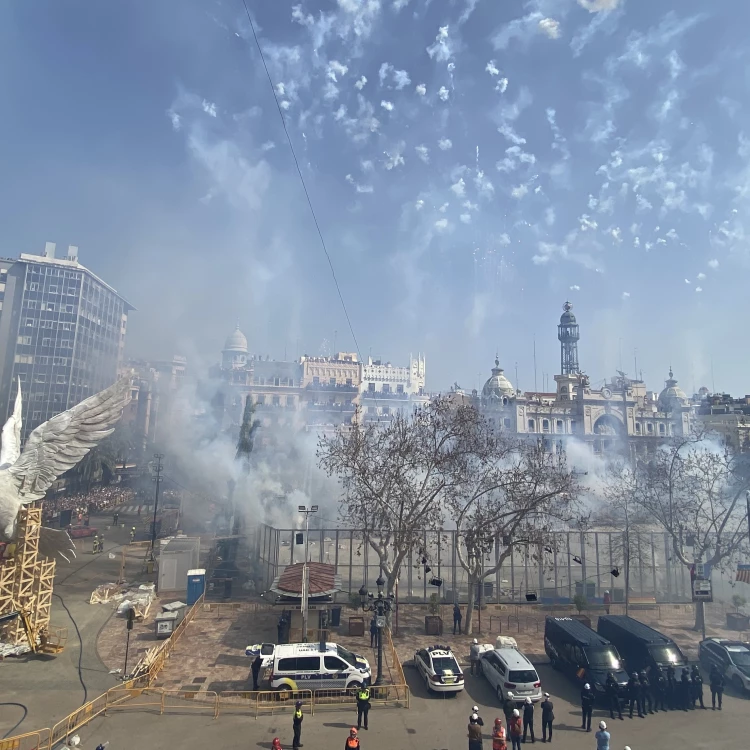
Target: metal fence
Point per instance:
(568, 563)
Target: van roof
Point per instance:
(300, 649)
(635, 627)
(513, 658)
(576, 630)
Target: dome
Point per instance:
(236, 341)
(672, 396)
(498, 385)
(567, 318)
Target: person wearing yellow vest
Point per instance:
(352, 741)
(363, 705)
(297, 724)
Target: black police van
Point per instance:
(642, 647)
(582, 654)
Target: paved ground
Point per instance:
(50, 687)
(432, 723)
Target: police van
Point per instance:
(313, 666)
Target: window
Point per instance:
(61, 379)
(649, 428)
(662, 429)
(532, 426)
(545, 425)
(308, 663)
(637, 428)
(276, 401)
(335, 664)
(31, 322)
(46, 342)
(290, 401)
(316, 380)
(506, 422)
(51, 307)
(34, 286)
(37, 416)
(22, 377)
(286, 665)
(399, 389)
(40, 378)
(386, 388)
(69, 308)
(349, 381)
(572, 426)
(386, 410)
(53, 289)
(560, 426)
(24, 340)
(277, 381)
(371, 387)
(332, 381)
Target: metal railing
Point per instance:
(393, 658)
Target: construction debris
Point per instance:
(8, 649)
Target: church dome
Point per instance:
(236, 341)
(498, 385)
(672, 396)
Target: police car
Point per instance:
(439, 669)
(314, 666)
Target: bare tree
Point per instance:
(394, 474)
(694, 489)
(513, 490)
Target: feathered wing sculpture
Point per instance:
(52, 448)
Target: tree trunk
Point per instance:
(468, 620)
(700, 617)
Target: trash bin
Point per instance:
(165, 624)
(335, 617)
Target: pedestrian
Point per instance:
(548, 716)
(475, 736)
(363, 706)
(516, 730)
(716, 682)
(475, 717)
(685, 689)
(132, 535)
(474, 655)
(115, 518)
(671, 688)
(352, 741)
(633, 692)
(276, 744)
(587, 706)
(697, 686)
(612, 690)
(607, 601)
(602, 737)
(658, 687)
(297, 724)
(456, 618)
(255, 668)
(499, 735)
(101, 543)
(508, 706)
(528, 719)
(645, 695)
(373, 633)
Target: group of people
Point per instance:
(516, 727)
(352, 741)
(644, 694)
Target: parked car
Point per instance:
(731, 657)
(641, 647)
(312, 666)
(439, 669)
(582, 654)
(508, 670)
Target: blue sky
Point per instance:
(473, 164)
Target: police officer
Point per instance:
(697, 685)
(297, 724)
(634, 689)
(475, 713)
(95, 547)
(613, 696)
(685, 688)
(644, 694)
(587, 706)
(716, 681)
(671, 688)
(456, 618)
(508, 706)
(548, 716)
(363, 706)
(528, 719)
(659, 686)
(255, 668)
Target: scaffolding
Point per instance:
(26, 582)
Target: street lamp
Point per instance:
(305, 581)
(380, 605)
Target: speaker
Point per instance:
(131, 618)
(436, 582)
(531, 596)
(299, 538)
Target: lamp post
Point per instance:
(158, 467)
(380, 605)
(305, 583)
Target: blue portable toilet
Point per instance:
(196, 585)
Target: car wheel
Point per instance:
(738, 685)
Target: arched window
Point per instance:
(637, 428)
(545, 425)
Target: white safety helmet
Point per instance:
(474, 716)
(475, 641)
(475, 709)
(510, 694)
(546, 695)
(587, 686)
(607, 591)
(602, 725)
(516, 713)
(528, 701)
(627, 747)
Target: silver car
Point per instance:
(509, 671)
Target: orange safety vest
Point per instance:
(352, 742)
(498, 738)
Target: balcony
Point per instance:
(328, 387)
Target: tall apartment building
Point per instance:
(62, 334)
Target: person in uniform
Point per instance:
(475, 717)
(716, 682)
(528, 719)
(587, 706)
(671, 688)
(255, 668)
(548, 716)
(644, 694)
(297, 724)
(373, 633)
(658, 688)
(697, 686)
(352, 741)
(685, 688)
(607, 601)
(132, 535)
(474, 656)
(499, 735)
(508, 706)
(363, 706)
(613, 696)
(456, 618)
(633, 689)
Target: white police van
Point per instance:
(313, 666)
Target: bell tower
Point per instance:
(568, 335)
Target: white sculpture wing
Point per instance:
(11, 446)
(61, 442)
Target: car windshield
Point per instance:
(443, 664)
(347, 656)
(739, 655)
(523, 675)
(603, 657)
(666, 655)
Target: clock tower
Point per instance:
(568, 335)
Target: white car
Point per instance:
(731, 657)
(509, 671)
(439, 669)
